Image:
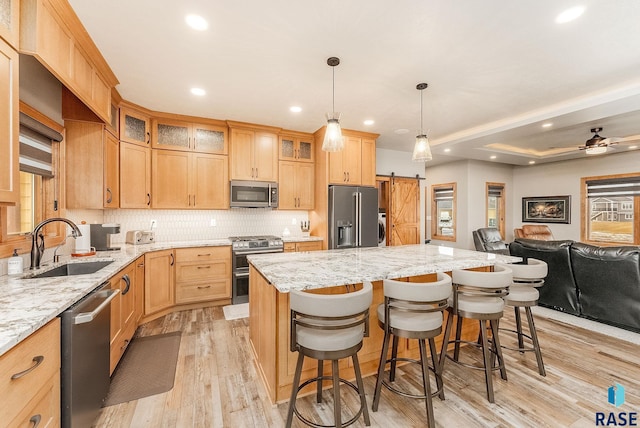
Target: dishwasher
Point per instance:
(84, 371)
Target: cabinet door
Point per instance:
(305, 185)
(265, 156)
(111, 171)
(135, 176)
(170, 181)
(10, 22)
(351, 158)
(209, 176)
(84, 158)
(170, 134)
(116, 321)
(139, 289)
(134, 127)
(305, 150)
(9, 125)
(127, 293)
(209, 139)
(158, 281)
(368, 162)
(287, 148)
(242, 154)
(287, 190)
(337, 172)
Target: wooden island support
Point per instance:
(272, 276)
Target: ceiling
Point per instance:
(497, 70)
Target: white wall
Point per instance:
(400, 163)
(563, 178)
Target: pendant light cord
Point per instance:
(421, 112)
(333, 93)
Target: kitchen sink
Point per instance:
(69, 269)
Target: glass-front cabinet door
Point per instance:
(9, 22)
(210, 139)
(170, 134)
(296, 147)
(134, 127)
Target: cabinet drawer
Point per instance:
(202, 254)
(210, 290)
(40, 352)
(188, 272)
(44, 409)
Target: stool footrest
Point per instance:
(407, 394)
(318, 379)
(469, 365)
(523, 349)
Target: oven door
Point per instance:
(240, 287)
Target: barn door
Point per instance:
(404, 211)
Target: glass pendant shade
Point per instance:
(597, 150)
(422, 151)
(333, 141)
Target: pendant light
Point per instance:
(333, 141)
(421, 151)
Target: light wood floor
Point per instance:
(217, 386)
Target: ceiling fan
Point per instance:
(597, 144)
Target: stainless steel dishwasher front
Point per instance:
(84, 372)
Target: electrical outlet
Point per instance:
(213, 222)
(294, 221)
(154, 224)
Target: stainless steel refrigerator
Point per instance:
(353, 217)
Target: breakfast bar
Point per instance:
(273, 276)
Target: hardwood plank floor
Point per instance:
(217, 385)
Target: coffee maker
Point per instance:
(101, 236)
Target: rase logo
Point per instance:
(615, 397)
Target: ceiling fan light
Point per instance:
(421, 150)
(333, 140)
(597, 150)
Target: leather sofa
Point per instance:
(540, 232)
(488, 240)
(598, 283)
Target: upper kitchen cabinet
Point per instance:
(296, 146)
(51, 31)
(134, 125)
(9, 125)
(296, 185)
(355, 164)
(10, 21)
(254, 152)
(135, 176)
(187, 136)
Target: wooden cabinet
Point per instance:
(172, 134)
(92, 170)
(30, 384)
(51, 31)
(134, 126)
(290, 247)
(203, 274)
(345, 166)
(123, 315)
(139, 289)
(296, 185)
(254, 155)
(9, 124)
(368, 162)
(296, 147)
(158, 281)
(189, 180)
(135, 176)
(10, 22)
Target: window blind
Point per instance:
(496, 191)
(627, 186)
(443, 193)
(35, 146)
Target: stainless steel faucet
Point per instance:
(37, 239)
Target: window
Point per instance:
(496, 206)
(611, 209)
(443, 212)
(40, 173)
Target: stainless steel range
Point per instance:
(242, 246)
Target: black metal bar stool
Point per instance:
(478, 295)
(329, 327)
(523, 293)
(412, 311)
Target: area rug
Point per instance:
(147, 368)
(234, 312)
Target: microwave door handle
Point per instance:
(269, 195)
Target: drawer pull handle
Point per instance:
(204, 255)
(35, 420)
(37, 360)
(204, 267)
(202, 287)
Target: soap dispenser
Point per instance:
(15, 264)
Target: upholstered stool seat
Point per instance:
(412, 311)
(329, 327)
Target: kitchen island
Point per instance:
(273, 276)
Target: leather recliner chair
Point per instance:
(539, 232)
(488, 240)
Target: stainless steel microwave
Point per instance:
(253, 194)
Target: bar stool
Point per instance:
(329, 327)
(523, 294)
(413, 311)
(478, 295)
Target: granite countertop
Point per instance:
(301, 238)
(318, 269)
(26, 304)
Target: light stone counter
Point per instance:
(301, 238)
(318, 269)
(28, 304)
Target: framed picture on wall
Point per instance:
(546, 209)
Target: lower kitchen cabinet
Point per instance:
(290, 247)
(203, 274)
(158, 281)
(123, 315)
(139, 289)
(30, 385)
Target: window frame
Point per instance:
(434, 212)
(584, 212)
(501, 207)
(52, 189)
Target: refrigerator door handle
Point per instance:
(358, 219)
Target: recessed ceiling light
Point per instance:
(295, 109)
(401, 131)
(196, 22)
(369, 122)
(493, 157)
(633, 147)
(532, 162)
(570, 14)
(547, 125)
(447, 150)
(198, 91)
